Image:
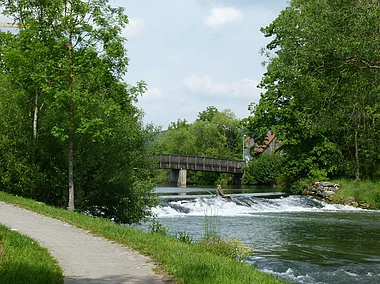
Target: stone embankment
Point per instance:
(326, 190)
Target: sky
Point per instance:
(196, 53)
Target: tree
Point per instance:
(178, 139)
(263, 170)
(69, 59)
(320, 97)
(229, 125)
(208, 114)
(214, 134)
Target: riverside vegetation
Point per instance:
(68, 111)
(22, 260)
(188, 263)
(357, 191)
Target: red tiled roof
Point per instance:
(267, 142)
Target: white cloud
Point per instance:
(135, 27)
(222, 16)
(245, 88)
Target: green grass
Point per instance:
(188, 263)
(22, 261)
(361, 190)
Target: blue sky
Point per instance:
(196, 53)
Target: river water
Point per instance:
(297, 238)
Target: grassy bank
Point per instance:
(362, 190)
(18, 261)
(188, 263)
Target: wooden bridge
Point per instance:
(179, 164)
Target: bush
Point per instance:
(314, 175)
(263, 170)
(158, 228)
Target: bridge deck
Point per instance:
(196, 163)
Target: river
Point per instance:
(297, 238)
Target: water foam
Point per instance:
(243, 206)
(291, 276)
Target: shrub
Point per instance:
(314, 175)
(158, 228)
(263, 170)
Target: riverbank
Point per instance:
(187, 263)
(357, 193)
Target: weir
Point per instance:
(184, 196)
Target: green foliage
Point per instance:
(211, 227)
(178, 139)
(67, 104)
(207, 178)
(208, 114)
(232, 247)
(362, 190)
(215, 134)
(223, 179)
(320, 98)
(263, 170)
(184, 237)
(158, 228)
(314, 175)
(22, 260)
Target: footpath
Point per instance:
(83, 257)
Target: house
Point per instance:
(270, 145)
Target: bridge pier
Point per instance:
(236, 179)
(178, 177)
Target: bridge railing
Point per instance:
(197, 163)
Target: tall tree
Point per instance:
(75, 61)
(320, 96)
(79, 29)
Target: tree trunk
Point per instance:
(71, 168)
(72, 127)
(35, 118)
(357, 173)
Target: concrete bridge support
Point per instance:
(178, 177)
(236, 179)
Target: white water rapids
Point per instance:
(297, 238)
(244, 205)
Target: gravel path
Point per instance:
(83, 257)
